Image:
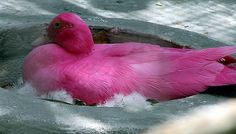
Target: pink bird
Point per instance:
(94, 73)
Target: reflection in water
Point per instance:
(4, 111)
(75, 122)
(209, 119)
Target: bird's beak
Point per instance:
(41, 41)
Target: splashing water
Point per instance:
(59, 95)
(133, 102)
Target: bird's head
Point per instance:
(70, 32)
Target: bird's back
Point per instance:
(154, 72)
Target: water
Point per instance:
(132, 103)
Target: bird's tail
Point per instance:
(227, 60)
(228, 75)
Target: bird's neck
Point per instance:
(76, 43)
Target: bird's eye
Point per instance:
(57, 25)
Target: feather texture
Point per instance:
(155, 72)
(97, 74)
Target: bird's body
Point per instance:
(95, 73)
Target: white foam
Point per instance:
(58, 95)
(133, 102)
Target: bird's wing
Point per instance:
(190, 73)
(155, 72)
(167, 73)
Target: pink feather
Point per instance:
(95, 73)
